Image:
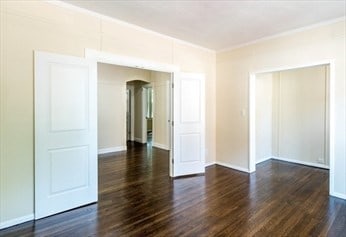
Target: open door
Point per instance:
(65, 133)
(188, 124)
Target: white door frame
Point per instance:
(330, 105)
(144, 115)
(128, 114)
(121, 60)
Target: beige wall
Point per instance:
(111, 116)
(35, 25)
(264, 116)
(302, 115)
(112, 83)
(160, 84)
(232, 85)
(291, 115)
(140, 111)
(112, 104)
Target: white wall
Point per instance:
(26, 26)
(301, 48)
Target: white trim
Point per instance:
(338, 195)
(235, 167)
(210, 163)
(252, 112)
(16, 221)
(286, 33)
(161, 146)
(263, 160)
(126, 61)
(301, 162)
(124, 23)
(170, 121)
(252, 123)
(144, 120)
(140, 140)
(331, 94)
(132, 112)
(295, 66)
(102, 151)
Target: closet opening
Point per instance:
(291, 117)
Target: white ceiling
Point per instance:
(218, 24)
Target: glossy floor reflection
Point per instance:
(137, 198)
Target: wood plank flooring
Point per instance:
(137, 198)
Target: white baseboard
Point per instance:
(111, 149)
(338, 195)
(140, 140)
(210, 163)
(235, 167)
(16, 221)
(301, 162)
(262, 160)
(161, 146)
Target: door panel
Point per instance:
(65, 133)
(77, 159)
(189, 125)
(74, 101)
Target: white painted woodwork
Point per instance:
(143, 115)
(65, 133)
(128, 114)
(189, 128)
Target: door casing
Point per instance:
(103, 57)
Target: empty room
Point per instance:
(172, 118)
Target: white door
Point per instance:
(188, 124)
(65, 133)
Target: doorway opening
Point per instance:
(187, 120)
(133, 106)
(137, 114)
(66, 99)
(292, 116)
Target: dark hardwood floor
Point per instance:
(137, 198)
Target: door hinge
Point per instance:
(172, 161)
(172, 85)
(172, 123)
